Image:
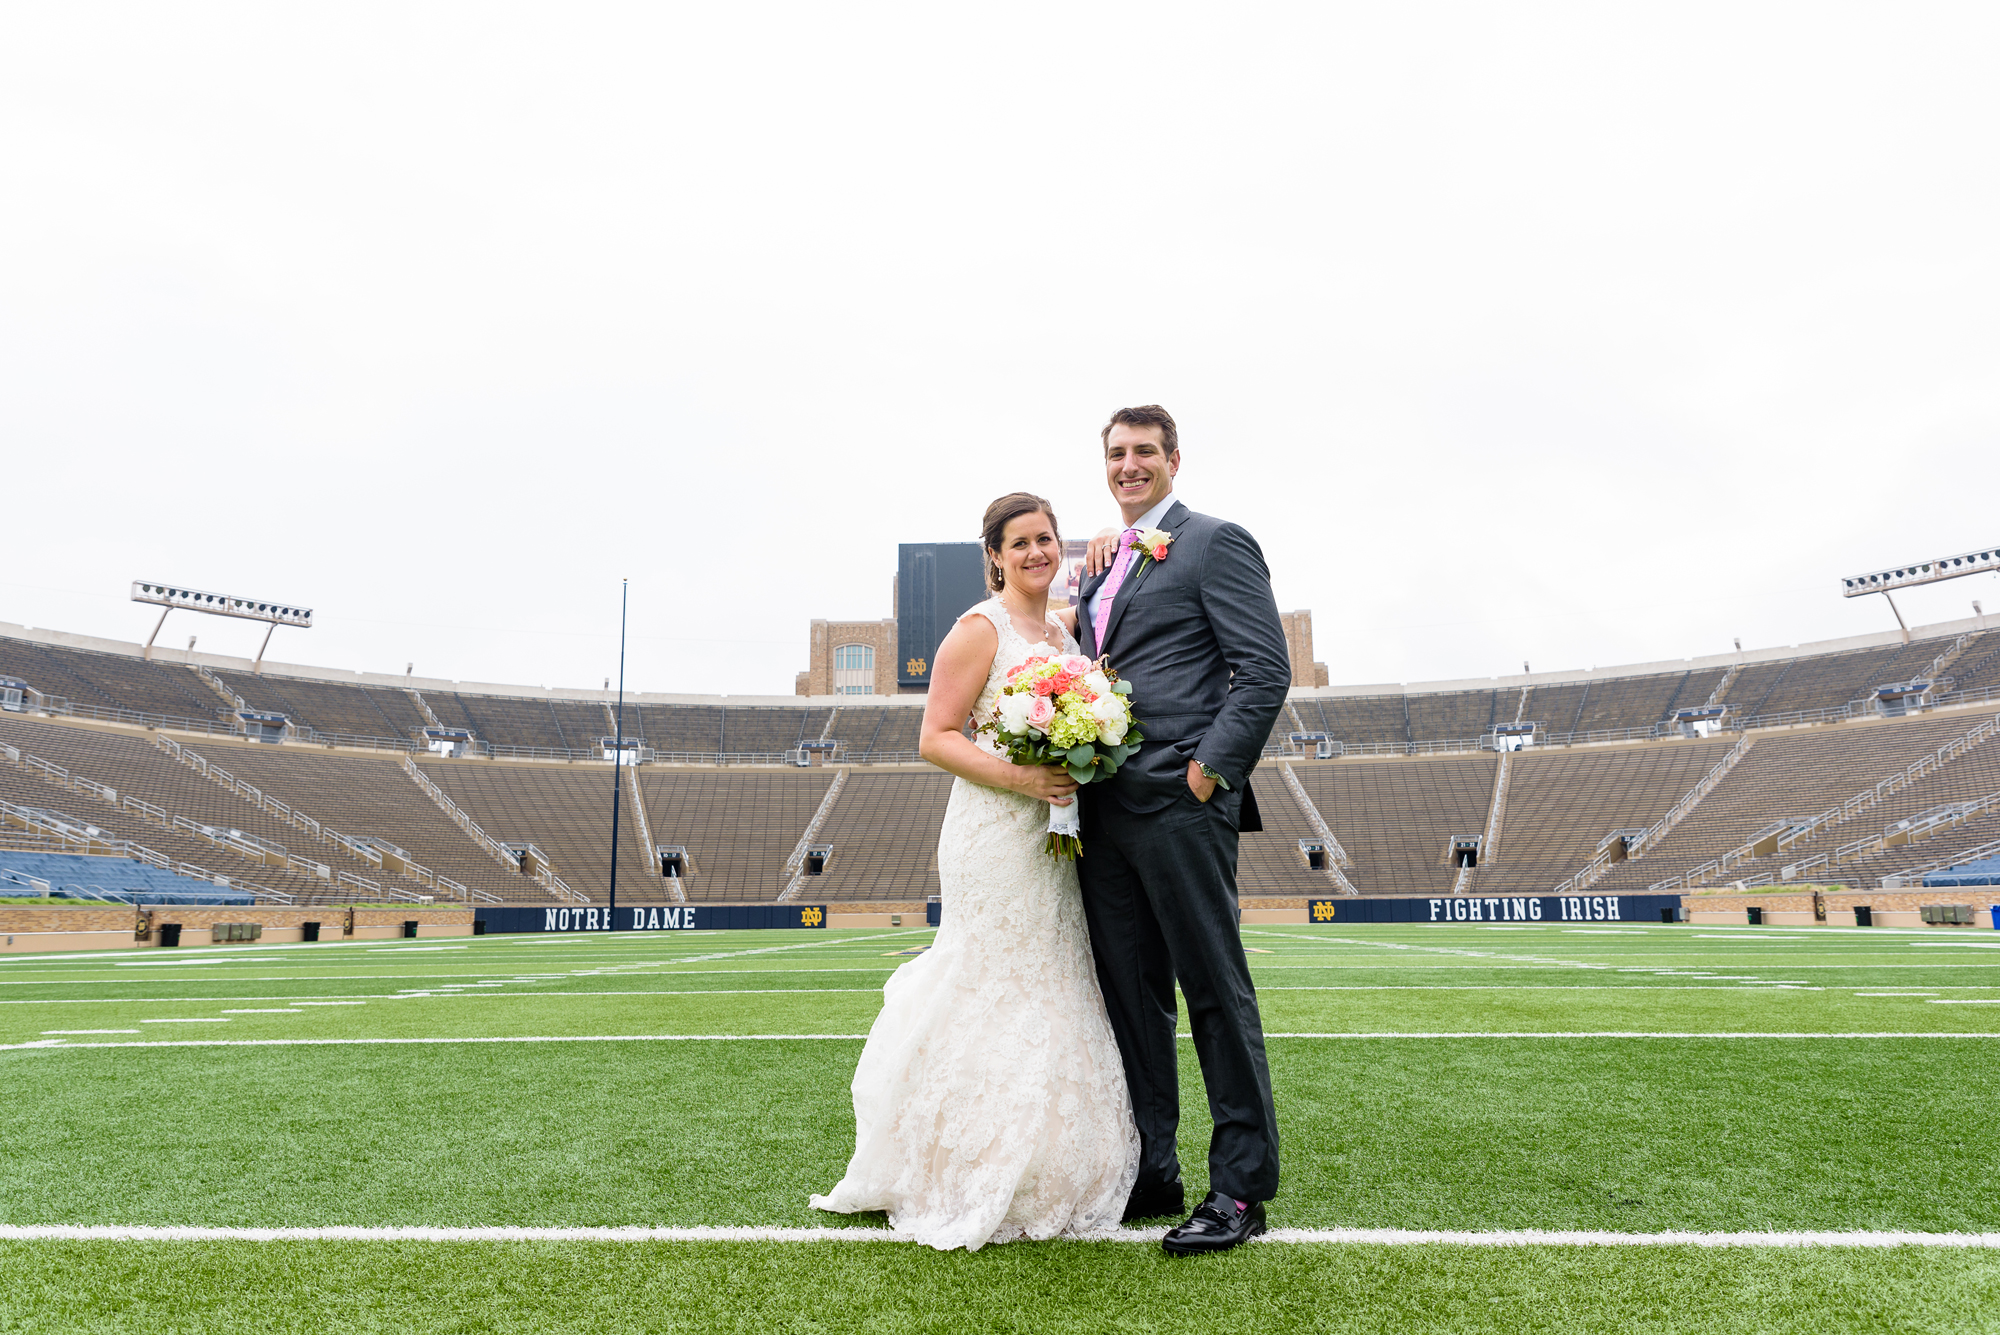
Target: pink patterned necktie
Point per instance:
(1113, 582)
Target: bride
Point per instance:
(990, 1103)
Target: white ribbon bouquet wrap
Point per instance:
(1064, 710)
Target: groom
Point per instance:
(1195, 629)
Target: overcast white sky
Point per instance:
(1575, 334)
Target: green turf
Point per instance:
(1618, 1133)
(1023, 1287)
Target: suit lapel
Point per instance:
(1175, 517)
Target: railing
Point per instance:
(1601, 862)
(1336, 856)
(58, 705)
(629, 775)
(1923, 767)
(1899, 880)
(353, 741)
(543, 875)
(795, 865)
(1914, 829)
(22, 879)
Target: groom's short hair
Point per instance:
(1149, 414)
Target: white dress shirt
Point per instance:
(1150, 519)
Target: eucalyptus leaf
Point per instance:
(1121, 688)
(1080, 754)
(1080, 773)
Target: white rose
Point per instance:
(1014, 712)
(1112, 719)
(1098, 683)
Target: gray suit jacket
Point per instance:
(1198, 636)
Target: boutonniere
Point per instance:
(1151, 545)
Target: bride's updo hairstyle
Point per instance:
(993, 530)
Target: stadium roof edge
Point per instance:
(68, 640)
(1775, 654)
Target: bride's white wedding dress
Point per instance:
(989, 1102)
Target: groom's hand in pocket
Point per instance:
(1199, 784)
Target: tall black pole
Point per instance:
(618, 748)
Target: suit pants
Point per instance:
(1159, 894)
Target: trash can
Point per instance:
(410, 928)
(1864, 916)
(1756, 915)
(934, 911)
(479, 927)
(308, 931)
(170, 934)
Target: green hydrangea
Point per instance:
(1073, 726)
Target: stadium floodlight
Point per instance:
(170, 596)
(1918, 572)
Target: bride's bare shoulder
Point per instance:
(974, 633)
(1067, 616)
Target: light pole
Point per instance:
(618, 747)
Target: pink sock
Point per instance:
(1241, 1206)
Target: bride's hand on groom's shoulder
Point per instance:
(1047, 783)
(1103, 550)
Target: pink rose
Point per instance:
(1075, 665)
(1160, 552)
(1041, 713)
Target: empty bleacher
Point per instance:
(1787, 775)
(372, 796)
(884, 832)
(1828, 681)
(136, 768)
(1562, 803)
(1395, 816)
(121, 825)
(1269, 863)
(334, 709)
(563, 810)
(1458, 714)
(1362, 720)
(110, 681)
(738, 827)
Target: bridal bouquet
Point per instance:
(1071, 712)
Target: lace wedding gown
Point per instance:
(989, 1102)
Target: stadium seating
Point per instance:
(565, 811)
(739, 827)
(1787, 775)
(1396, 816)
(333, 709)
(884, 832)
(1562, 803)
(371, 796)
(78, 876)
(136, 768)
(110, 681)
(723, 788)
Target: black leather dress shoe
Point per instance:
(1215, 1226)
(1156, 1202)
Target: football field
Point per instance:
(1504, 1128)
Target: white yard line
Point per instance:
(1379, 1237)
(49, 1045)
(357, 998)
